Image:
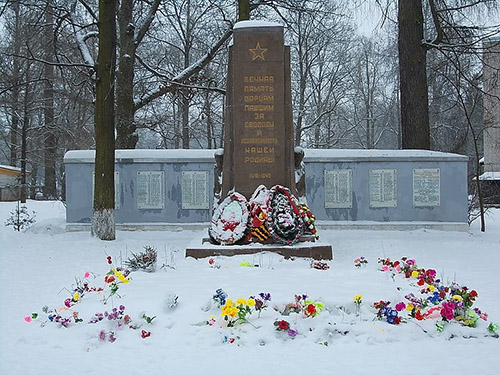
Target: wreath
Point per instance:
(230, 220)
(259, 206)
(309, 220)
(285, 221)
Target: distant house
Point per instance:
(10, 178)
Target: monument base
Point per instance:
(313, 250)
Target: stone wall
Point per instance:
(342, 186)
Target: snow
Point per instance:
(9, 167)
(490, 176)
(255, 23)
(144, 155)
(40, 266)
(311, 155)
(373, 154)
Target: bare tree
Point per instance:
(130, 37)
(103, 222)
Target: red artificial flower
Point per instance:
(396, 263)
(145, 334)
(231, 340)
(127, 319)
(397, 320)
(109, 279)
(311, 309)
(473, 293)
(211, 261)
(419, 315)
(283, 325)
(421, 282)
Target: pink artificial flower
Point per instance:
(400, 306)
(385, 268)
(86, 275)
(102, 335)
(27, 319)
(398, 268)
(434, 313)
(447, 311)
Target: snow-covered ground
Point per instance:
(43, 266)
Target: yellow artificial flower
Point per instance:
(431, 288)
(229, 302)
(457, 298)
(250, 302)
(229, 310)
(414, 274)
(358, 298)
(241, 301)
(76, 296)
(120, 276)
(409, 306)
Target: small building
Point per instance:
(10, 183)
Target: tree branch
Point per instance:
(437, 25)
(190, 71)
(145, 26)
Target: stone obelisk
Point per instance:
(258, 132)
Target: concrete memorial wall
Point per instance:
(389, 189)
(152, 187)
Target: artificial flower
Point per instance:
(358, 298)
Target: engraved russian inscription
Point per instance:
(383, 192)
(426, 187)
(338, 189)
(259, 133)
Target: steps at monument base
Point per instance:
(314, 250)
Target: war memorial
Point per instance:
(260, 167)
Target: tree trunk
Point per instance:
(50, 141)
(14, 127)
(243, 10)
(185, 120)
(103, 223)
(126, 129)
(24, 140)
(413, 77)
(207, 110)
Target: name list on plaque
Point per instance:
(338, 189)
(383, 192)
(426, 187)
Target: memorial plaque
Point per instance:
(426, 187)
(383, 188)
(258, 143)
(195, 190)
(150, 190)
(117, 189)
(338, 189)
